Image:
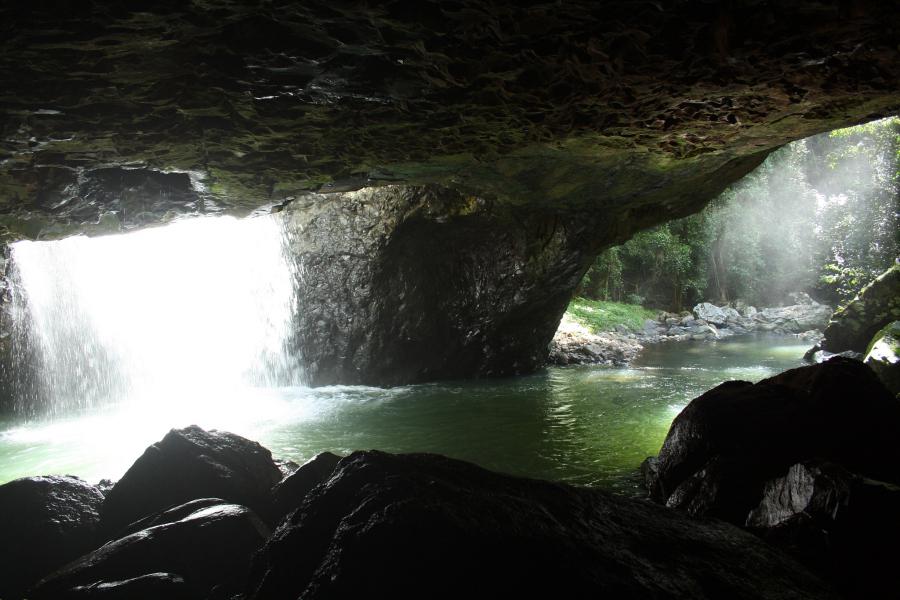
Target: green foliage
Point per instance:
(604, 279)
(844, 282)
(599, 315)
(821, 215)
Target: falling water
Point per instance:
(182, 314)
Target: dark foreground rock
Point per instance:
(796, 458)
(404, 526)
(289, 493)
(726, 444)
(152, 586)
(44, 523)
(208, 549)
(883, 356)
(853, 326)
(836, 522)
(188, 464)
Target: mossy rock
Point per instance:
(883, 356)
(854, 326)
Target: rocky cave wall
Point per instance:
(572, 124)
(620, 103)
(403, 284)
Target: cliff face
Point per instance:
(454, 166)
(404, 284)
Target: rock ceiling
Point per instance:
(130, 113)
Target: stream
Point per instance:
(585, 425)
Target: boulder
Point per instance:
(812, 334)
(853, 326)
(209, 548)
(651, 327)
(44, 523)
(726, 444)
(432, 284)
(817, 355)
(801, 298)
(797, 317)
(730, 313)
(703, 332)
(710, 313)
(188, 464)
(883, 356)
(171, 515)
(285, 465)
(413, 526)
(838, 523)
(290, 492)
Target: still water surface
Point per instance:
(585, 425)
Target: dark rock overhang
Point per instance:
(641, 109)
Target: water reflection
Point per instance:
(585, 425)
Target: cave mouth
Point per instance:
(187, 324)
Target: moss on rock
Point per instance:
(883, 356)
(853, 326)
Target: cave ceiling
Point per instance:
(122, 114)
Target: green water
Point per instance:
(585, 425)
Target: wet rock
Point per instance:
(819, 489)
(286, 466)
(152, 586)
(44, 523)
(209, 548)
(104, 485)
(290, 492)
(171, 515)
(840, 524)
(817, 355)
(719, 489)
(883, 356)
(401, 526)
(727, 443)
(853, 326)
(188, 464)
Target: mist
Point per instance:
(819, 216)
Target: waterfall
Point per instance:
(179, 314)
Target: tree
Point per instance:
(821, 215)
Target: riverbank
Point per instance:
(580, 340)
